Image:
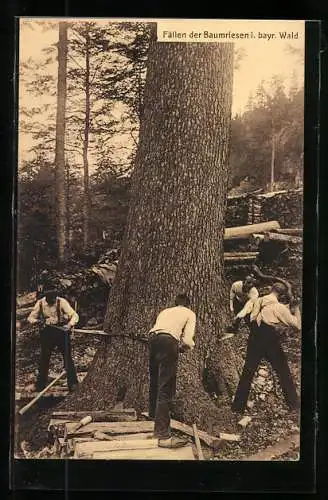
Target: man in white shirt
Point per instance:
(56, 318)
(242, 297)
(264, 343)
(172, 333)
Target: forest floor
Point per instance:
(271, 421)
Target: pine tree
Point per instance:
(174, 235)
(60, 144)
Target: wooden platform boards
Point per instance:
(112, 435)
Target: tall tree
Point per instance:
(86, 197)
(174, 236)
(267, 139)
(89, 126)
(60, 143)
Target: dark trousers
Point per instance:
(237, 306)
(51, 337)
(264, 343)
(163, 365)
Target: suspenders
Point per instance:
(58, 311)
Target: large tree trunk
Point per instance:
(60, 143)
(174, 237)
(86, 194)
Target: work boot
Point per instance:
(172, 442)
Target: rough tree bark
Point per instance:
(174, 236)
(60, 143)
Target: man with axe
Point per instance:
(264, 343)
(56, 319)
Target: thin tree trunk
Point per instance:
(273, 154)
(68, 210)
(86, 195)
(174, 236)
(60, 143)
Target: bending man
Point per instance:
(172, 333)
(242, 297)
(264, 343)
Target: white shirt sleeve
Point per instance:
(253, 295)
(189, 331)
(69, 311)
(284, 315)
(232, 292)
(33, 317)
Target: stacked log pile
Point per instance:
(255, 216)
(251, 208)
(285, 206)
(237, 210)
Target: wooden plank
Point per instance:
(89, 447)
(185, 453)
(212, 441)
(126, 414)
(119, 437)
(109, 428)
(276, 450)
(197, 442)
